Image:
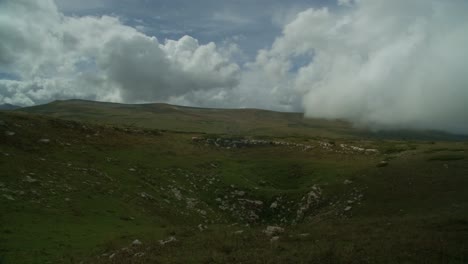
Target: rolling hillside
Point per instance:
(221, 121)
(92, 182)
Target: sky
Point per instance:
(400, 64)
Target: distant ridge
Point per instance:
(82, 101)
(240, 121)
(9, 107)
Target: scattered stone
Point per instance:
(273, 230)
(136, 242)
(9, 197)
(202, 227)
(112, 256)
(202, 212)
(44, 140)
(274, 205)
(30, 179)
(347, 208)
(347, 182)
(139, 254)
(67, 199)
(238, 232)
(9, 133)
(132, 169)
(177, 193)
(164, 242)
(252, 216)
(146, 195)
(304, 235)
(274, 239)
(254, 202)
(312, 198)
(239, 193)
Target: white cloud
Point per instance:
(383, 64)
(345, 2)
(232, 18)
(56, 56)
(378, 63)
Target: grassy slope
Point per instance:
(100, 187)
(177, 118)
(221, 121)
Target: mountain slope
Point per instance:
(220, 121)
(75, 191)
(8, 107)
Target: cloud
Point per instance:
(377, 63)
(380, 64)
(57, 56)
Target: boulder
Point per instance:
(274, 205)
(273, 230)
(30, 179)
(9, 197)
(169, 240)
(136, 242)
(274, 239)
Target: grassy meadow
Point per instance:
(87, 182)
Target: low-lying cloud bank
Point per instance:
(383, 64)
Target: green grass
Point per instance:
(102, 186)
(447, 157)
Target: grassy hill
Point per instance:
(110, 183)
(179, 118)
(251, 122)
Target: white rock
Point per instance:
(164, 242)
(136, 242)
(177, 193)
(274, 205)
(146, 195)
(274, 239)
(238, 232)
(9, 197)
(273, 230)
(347, 208)
(44, 140)
(30, 179)
(239, 193)
(9, 133)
